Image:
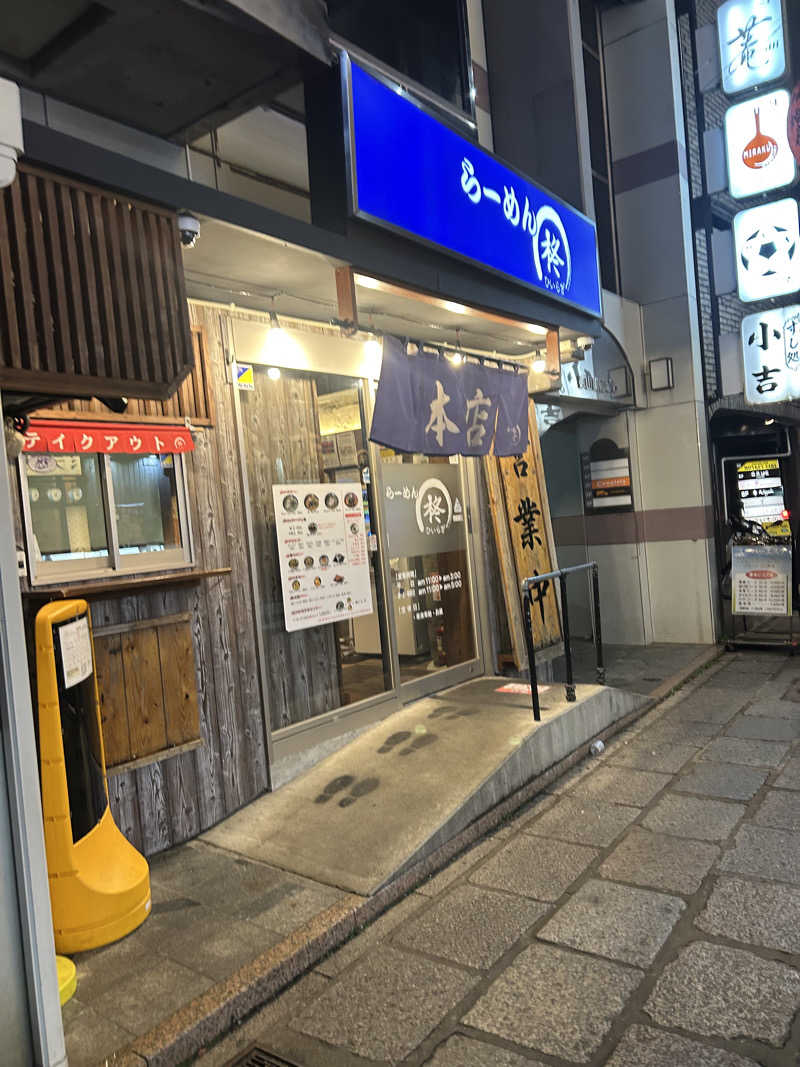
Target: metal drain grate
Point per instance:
(256, 1056)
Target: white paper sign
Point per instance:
(751, 43)
(771, 350)
(757, 147)
(767, 240)
(761, 577)
(322, 550)
(76, 651)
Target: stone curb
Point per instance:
(210, 1016)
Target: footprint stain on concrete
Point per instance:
(393, 740)
(360, 789)
(453, 711)
(336, 785)
(421, 741)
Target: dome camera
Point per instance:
(189, 228)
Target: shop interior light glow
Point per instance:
(274, 373)
(539, 365)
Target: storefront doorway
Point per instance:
(425, 504)
(305, 426)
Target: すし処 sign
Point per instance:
(771, 351)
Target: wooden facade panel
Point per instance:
(248, 711)
(281, 434)
(144, 692)
(111, 697)
(194, 399)
(176, 654)
(93, 298)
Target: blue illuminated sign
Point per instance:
(413, 174)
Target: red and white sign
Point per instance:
(46, 435)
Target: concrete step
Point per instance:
(403, 788)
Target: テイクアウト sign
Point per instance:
(413, 174)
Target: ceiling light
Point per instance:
(275, 327)
(532, 327)
(456, 358)
(539, 365)
(768, 422)
(374, 347)
(274, 373)
(457, 309)
(366, 282)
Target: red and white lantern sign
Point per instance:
(46, 435)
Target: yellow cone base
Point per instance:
(67, 978)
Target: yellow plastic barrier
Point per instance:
(99, 883)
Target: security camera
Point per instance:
(189, 228)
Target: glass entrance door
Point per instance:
(425, 519)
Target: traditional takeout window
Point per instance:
(104, 499)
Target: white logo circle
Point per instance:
(434, 506)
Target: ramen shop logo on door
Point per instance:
(757, 146)
(434, 507)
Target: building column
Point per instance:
(653, 206)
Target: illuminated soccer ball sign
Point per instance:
(767, 242)
(771, 348)
(757, 147)
(751, 43)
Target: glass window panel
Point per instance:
(146, 503)
(422, 38)
(308, 428)
(589, 24)
(606, 239)
(595, 112)
(65, 497)
(427, 540)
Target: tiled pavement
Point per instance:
(645, 913)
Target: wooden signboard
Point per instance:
(524, 538)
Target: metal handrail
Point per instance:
(528, 584)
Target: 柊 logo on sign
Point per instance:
(434, 507)
(551, 253)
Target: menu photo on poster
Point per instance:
(322, 552)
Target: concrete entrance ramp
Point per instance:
(406, 786)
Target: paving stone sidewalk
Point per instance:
(645, 912)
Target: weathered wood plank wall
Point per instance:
(164, 803)
(282, 444)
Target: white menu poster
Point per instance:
(322, 552)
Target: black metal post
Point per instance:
(598, 633)
(569, 685)
(526, 611)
